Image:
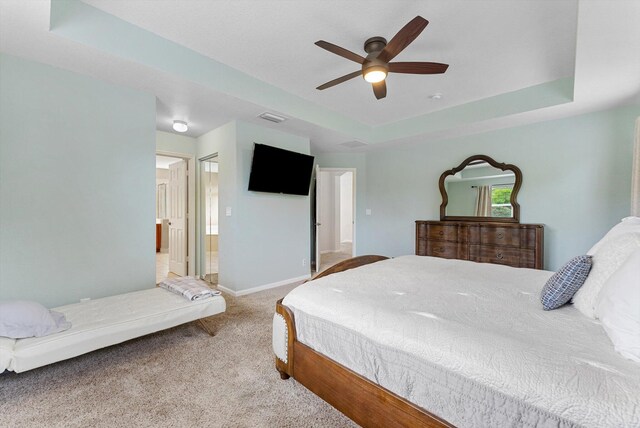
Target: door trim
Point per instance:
(354, 206)
(191, 206)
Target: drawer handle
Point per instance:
(500, 235)
(441, 249)
(499, 256)
(441, 232)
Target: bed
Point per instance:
(425, 341)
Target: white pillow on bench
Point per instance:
(23, 318)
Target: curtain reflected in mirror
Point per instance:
(209, 186)
(483, 201)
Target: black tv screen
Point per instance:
(277, 170)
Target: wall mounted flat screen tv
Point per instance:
(275, 170)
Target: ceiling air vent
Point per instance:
(272, 117)
(353, 144)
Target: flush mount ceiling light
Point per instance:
(436, 96)
(180, 126)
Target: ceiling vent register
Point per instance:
(272, 117)
(353, 144)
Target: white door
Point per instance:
(178, 218)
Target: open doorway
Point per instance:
(209, 191)
(171, 217)
(334, 213)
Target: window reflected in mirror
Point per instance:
(501, 200)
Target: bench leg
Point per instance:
(203, 325)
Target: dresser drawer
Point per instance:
(447, 250)
(502, 255)
(442, 232)
(509, 236)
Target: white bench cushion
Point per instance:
(108, 321)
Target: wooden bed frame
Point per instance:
(366, 403)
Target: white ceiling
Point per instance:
(493, 46)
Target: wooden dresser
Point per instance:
(512, 244)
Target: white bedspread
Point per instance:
(469, 342)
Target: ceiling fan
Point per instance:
(376, 65)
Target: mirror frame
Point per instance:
(493, 163)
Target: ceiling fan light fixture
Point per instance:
(375, 74)
(180, 126)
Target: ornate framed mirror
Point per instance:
(481, 189)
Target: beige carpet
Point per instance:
(176, 378)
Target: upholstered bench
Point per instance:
(103, 322)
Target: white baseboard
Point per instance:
(262, 287)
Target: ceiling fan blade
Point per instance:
(344, 78)
(405, 36)
(418, 67)
(380, 89)
(340, 51)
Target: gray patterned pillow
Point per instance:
(561, 287)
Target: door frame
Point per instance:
(317, 256)
(191, 206)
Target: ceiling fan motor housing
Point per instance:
(373, 46)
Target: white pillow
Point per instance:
(20, 319)
(619, 307)
(613, 252)
(626, 225)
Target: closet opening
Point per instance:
(210, 214)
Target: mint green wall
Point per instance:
(267, 235)
(77, 180)
(576, 180)
(176, 144)
(222, 141)
(274, 229)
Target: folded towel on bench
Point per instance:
(190, 287)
